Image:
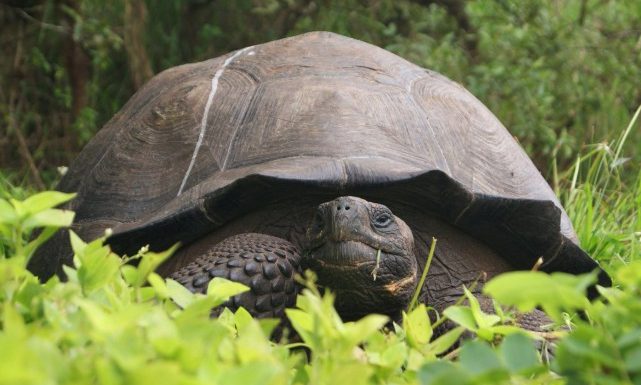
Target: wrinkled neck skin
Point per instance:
(365, 255)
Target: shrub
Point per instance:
(112, 322)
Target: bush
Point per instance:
(115, 323)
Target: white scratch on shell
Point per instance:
(203, 122)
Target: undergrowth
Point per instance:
(602, 195)
(115, 323)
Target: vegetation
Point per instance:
(561, 75)
(558, 74)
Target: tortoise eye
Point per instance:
(383, 220)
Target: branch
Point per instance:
(52, 27)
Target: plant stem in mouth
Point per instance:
(378, 261)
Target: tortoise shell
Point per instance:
(201, 144)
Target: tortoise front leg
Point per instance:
(264, 263)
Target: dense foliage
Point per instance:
(559, 74)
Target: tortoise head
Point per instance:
(364, 254)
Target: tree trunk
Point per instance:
(134, 27)
(78, 65)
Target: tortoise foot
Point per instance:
(264, 263)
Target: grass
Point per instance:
(602, 195)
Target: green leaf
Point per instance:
(303, 323)
(49, 217)
(442, 373)
(478, 358)
(356, 332)
(8, 214)
(482, 319)
(45, 200)
(12, 322)
(630, 275)
(129, 273)
(44, 235)
(417, 326)
(633, 360)
(223, 289)
(159, 285)
(77, 244)
(19, 208)
(394, 356)
(242, 318)
(528, 289)
(461, 315)
(97, 267)
(149, 262)
(179, 294)
(446, 341)
(257, 373)
(518, 353)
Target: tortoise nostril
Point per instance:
(346, 208)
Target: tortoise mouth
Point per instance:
(364, 281)
(345, 254)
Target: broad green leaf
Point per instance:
(630, 274)
(19, 208)
(44, 235)
(303, 323)
(509, 329)
(518, 353)
(632, 359)
(179, 294)
(130, 274)
(462, 316)
(199, 307)
(45, 200)
(629, 338)
(149, 262)
(417, 326)
(224, 289)
(12, 322)
(528, 289)
(394, 356)
(49, 217)
(587, 343)
(8, 214)
(478, 358)
(97, 268)
(159, 285)
(445, 342)
(443, 373)
(242, 318)
(360, 330)
(77, 244)
(159, 372)
(483, 320)
(256, 373)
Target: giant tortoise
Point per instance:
(324, 151)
